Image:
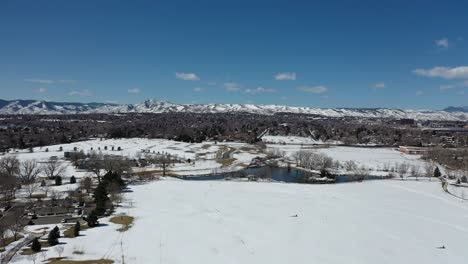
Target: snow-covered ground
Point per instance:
(296, 140)
(202, 155)
(386, 221)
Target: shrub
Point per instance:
(36, 246)
(53, 236)
(58, 180)
(76, 229)
(72, 179)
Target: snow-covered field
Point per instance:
(295, 140)
(386, 221)
(202, 155)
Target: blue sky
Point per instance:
(405, 54)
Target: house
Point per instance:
(413, 150)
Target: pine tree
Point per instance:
(36, 246)
(53, 237)
(437, 173)
(92, 219)
(56, 231)
(76, 229)
(72, 179)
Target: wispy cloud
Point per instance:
(46, 81)
(41, 81)
(442, 43)
(313, 89)
(259, 90)
(232, 86)
(419, 93)
(378, 86)
(452, 86)
(83, 93)
(285, 76)
(41, 90)
(66, 81)
(198, 89)
(134, 90)
(444, 72)
(187, 76)
(461, 92)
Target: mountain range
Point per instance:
(26, 107)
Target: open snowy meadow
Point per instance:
(388, 221)
(177, 221)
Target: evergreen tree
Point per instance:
(72, 179)
(101, 198)
(76, 229)
(58, 180)
(36, 246)
(92, 219)
(53, 237)
(56, 231)
(437, 173)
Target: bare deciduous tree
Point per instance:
(52, 168)
(59, 250)
(86, 184)
(29, 169)
(403, 169)
(414, 171)
(10, 166)
(429, 169)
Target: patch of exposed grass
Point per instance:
(206, 146)
(78, 252)
(39, 196)
(65, 261)
(249, 149)
(226, 162)
(70, 232)
(124, 220)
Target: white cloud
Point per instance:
(313, 89)
(41, 90)
(198, 89)
(442, 43)
(187, 76)
(66, 81)
(84, 93)
(111, 102)
(285, 76)
(134, 90)
(45, 81)
(259, 90)
(42, 81)
(419, 93)
(444, 72)
(232, 86)
(451, 86)
(461, 92)
(378, 86)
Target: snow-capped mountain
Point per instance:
(155, 106)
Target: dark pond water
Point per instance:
(276, 173)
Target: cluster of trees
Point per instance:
(313, 161)
(100, 164)
(29, 131)
(107, 191)
(15, 174)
